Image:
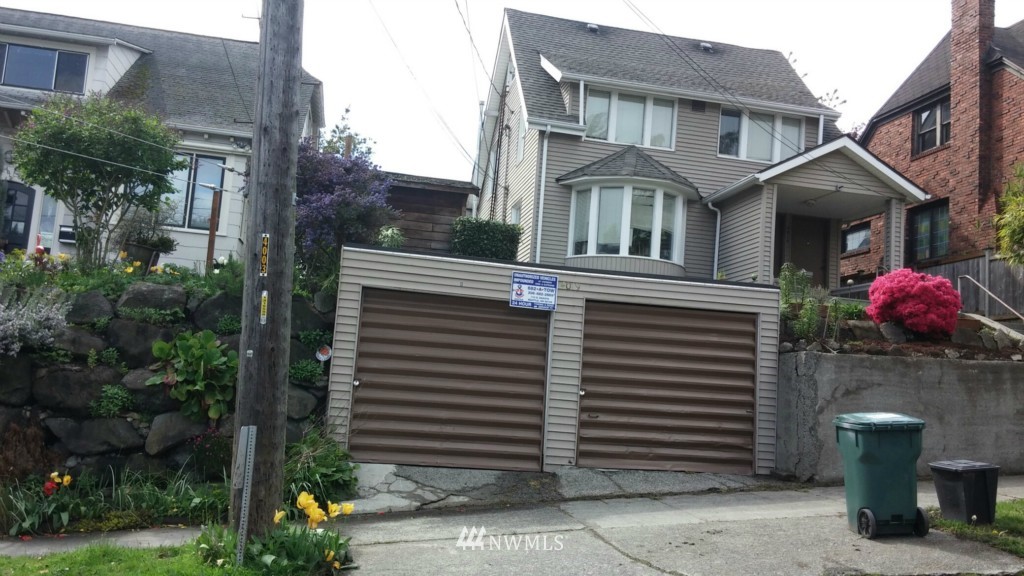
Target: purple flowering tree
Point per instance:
(340, 200)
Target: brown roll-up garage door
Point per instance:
(667, 389)
(447, 381)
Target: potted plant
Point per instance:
(145, 239)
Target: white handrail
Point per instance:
(987, 291)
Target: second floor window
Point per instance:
(630, 118)
(192, 203)
(931, 127)
(759, 136)
(43, 68)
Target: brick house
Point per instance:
(956, 128)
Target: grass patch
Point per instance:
(1006, 533)
(105, 559)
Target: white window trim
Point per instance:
(648, 116)
(679, 248)
(190, 193)
(776, 136)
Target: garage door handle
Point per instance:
(583, 392)
(355, 383)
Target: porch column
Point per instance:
(894, 222)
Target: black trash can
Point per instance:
(966, 490)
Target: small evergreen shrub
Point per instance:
(315, 338)
(229, 324)
(924, 304)
(305, 371)
(485, 238)
(114, 399)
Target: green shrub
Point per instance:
(808, 321)
(114, 399)
(229, 324)
(52, 356)
(229, 277)
(153, 316)
(305, 371)
(317, 464)
(794, 284)
(485, 238)
(315, 338)
(199, 371)
(390, 237)
(100, 325)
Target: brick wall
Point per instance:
(1007, 125)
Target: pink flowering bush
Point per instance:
(921, 303)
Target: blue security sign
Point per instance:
(537, 291)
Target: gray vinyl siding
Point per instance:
(742, 230)
(568, 92)
(520, 176)
(832, 170)
(111, 64)
(767, 247)
(695, 157)
(397, 271)
(627, 264)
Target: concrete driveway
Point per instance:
(769, 532)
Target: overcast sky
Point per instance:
(862, 48)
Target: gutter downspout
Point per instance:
(718, 236)
(821, 128)
(539, 211)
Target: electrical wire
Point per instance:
(472, 43)
(426, 95)
(235, 78)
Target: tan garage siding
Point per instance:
(668, 389)
(464, 278)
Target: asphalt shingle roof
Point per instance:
(628, 162)
(187, 79)
(932, 75)
(633, 56)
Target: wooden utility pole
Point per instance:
(269, 257)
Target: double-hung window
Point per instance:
(192, 202)
(931, 127)
(759, 136)
(630, 118)
(627, 220)
(929, 231)
(43, 68)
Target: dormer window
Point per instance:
(759, 136)
(630, 119)
(43, 68)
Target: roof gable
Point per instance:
(630, 162)
(186, 79)
(646, 59)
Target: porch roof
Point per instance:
(838, 180)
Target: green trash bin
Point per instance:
(880, 451)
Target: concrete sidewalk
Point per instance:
(791, 532)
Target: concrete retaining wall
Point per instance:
(973, 410)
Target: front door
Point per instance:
(17, 216)
(808, 248)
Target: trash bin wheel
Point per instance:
(921, 523)
(866, 525)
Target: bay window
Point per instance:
(759, 136)
(630, 118)
(627, 220)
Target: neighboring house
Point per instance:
(956, 128)
(202, 86)
(636, 152)
(427, 207)
(642, 168)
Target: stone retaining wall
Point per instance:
(153, 434)
(972, 409)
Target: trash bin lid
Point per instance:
(878, 421)
(961, 466)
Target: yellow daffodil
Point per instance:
(129, 270)
(278, 514)
(63, 256)
(347, 508)
(66, 481)
(316, 516)
(337, 565)
(305, 501)
(333, 509)
(122, 255)
(136, 264)
(328, 555)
